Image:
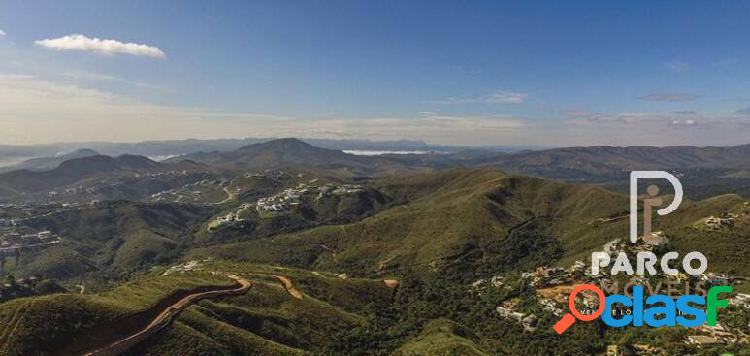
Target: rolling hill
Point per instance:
(47, 163)
(111, 240)
(473, 223)
(72, 171)
(265, 320)
(34, 185)
(705, 171)
(444, 231)
(296, 154)
(448, 217)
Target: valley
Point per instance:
(332, 257)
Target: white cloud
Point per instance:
(37, 110)
(80, 42)
(2, 33)
(656, 128)
(497, 97)
(730, 123)
(428, 126)
(669, 96)
(506, 97)
(88, 77)
(688, 122)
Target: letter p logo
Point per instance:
(634, 177)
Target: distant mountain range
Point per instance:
(11, 155)
(294, 153)
(36, 177)
(47, 163)
(603, 163)
(431, 228)
(72, 171)
(706, 170)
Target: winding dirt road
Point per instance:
(289, 286)
(167, 315)
(229, 197)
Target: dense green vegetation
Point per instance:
(435, 233)
(312, 211)
(111, 241)
(453, 219)
(12, 288)
(445, 218)
(48, 324)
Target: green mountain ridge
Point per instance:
(431, 235)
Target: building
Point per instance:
(657, 238)
(702, 340)
(613, 350)
(223, 220)
(717, 223)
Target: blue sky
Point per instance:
(479, 73)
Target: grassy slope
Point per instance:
(726, 249)
(449, 220)
(446, 216)
(43, 325)
(112, 239)
(440, 337)
(462, 216)
(266, 320)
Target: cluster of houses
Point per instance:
(285, 201)
(290, 197)
(637, 349)
(103, 185)
(14, 288)
(188, 266)
(508, 310)
(726, 220)
(172, 173)
(267, 174)
(15, 234)
(718, 223)
(231, 217)
(73, 191)
(11, 241)
(706, 335)
(553, 286)
(188, 192)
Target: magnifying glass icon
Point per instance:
(570, 318)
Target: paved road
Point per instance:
(166, 316)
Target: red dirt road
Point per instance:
(289, 286)
(166, 316)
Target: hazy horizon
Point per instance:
(495, 74)
(384, 143)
